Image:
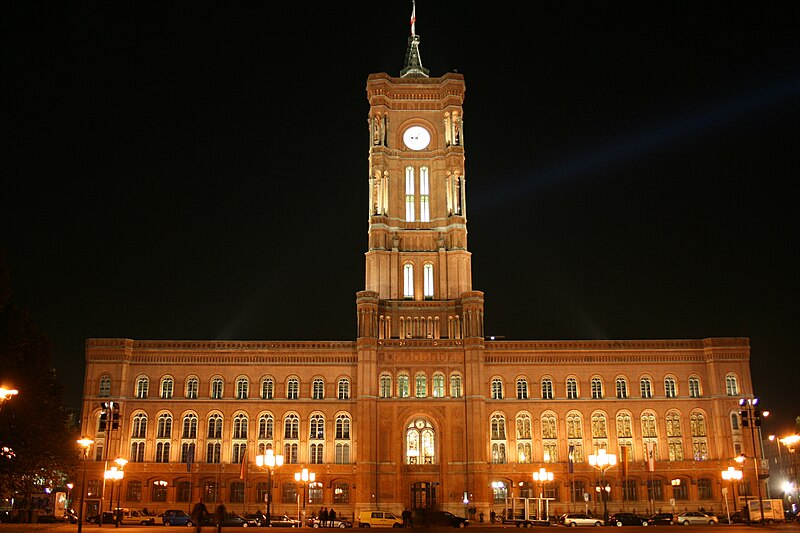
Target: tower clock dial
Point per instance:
(416, 138)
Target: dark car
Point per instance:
(443, 518)
(230, 520)
(661, 519)
(108, 518)
(627, 519)
(736, 518)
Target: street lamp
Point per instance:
(69, 493)
(271, 461)
(602, 461)
(675, 484)
(85, 443)
(121, 461)
(542, 476)
(792, 443)
(733, 475)
(304, 477)
(751, 417)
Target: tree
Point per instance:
(33, 424)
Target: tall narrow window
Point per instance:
(343, 390)
(424, 192)
(317, 389)
(646, 387)
(420, 443)
(547, 389)
(105, 386)
(189, 426)
(694, 387)
(670, 390)
(731, 385)
(267, 389)
(316, 434)
(409, 194)
(291, 427)
(167, 385)
(522, 389)
(498, 438)
(427, 272)
(164, 428)
(215, 427)
(408, 280)
(142, 385)
(192, 384)
(242, 388)
(386, 386)
(402, 386)
(292, 389)
(572, 389)
(597, 388)
(342, 440)
(455, 385)
(216, 388)
(438, 385)
(497, 389)
(421, 385)
(622, 388)
(549, 438)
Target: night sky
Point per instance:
(198, 170)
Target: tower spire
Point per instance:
(413, 66)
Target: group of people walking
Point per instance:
(200, 515)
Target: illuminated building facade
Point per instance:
(421, 410)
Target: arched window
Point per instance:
(216, 388)
(649, 435)
(240, 427)
(316, 429)
(420, 443)
(694, 387)
(402, 385)
(162, 451)
(424, 192)
(697, 423)
(572, 389)
(408, 281)
(192, 386)
(421, 385)
(215, 427)
(409, 194)
(344, 389)
(105, 386)
(267, 389)
(523, 426)
(242, 388)
(137, 451)
(342, 439)
(167, 385)
(731, 385)
(646, 387)
(438, 385)
(674, 439)
(575, 436)
(455, 385)
(142, 386)
(139, 426)
(599, 426)
(649, 425)
(291, 427)
(670, 388)
(625, 436)
(189, 426)
(317, 389)
(547, 389)
(549, 438)
(427, 276)
(386, 386)
(266, 427)
(622, 387)
(497, 389)
(522, 389)
(597, 388)
(164, 430)
(292, 389)
(342, 427)
(498, 438)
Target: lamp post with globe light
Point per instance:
(271, 462)
(733, 475)
(305, 477)
(85, 443)
(602, 461)
(542, 476)
(792, 443)
(751, 417)
(121, 462)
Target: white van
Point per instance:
(379, 519)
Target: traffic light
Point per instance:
(103, 420)
(115, 416)
(745, 420)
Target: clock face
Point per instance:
(416, 138)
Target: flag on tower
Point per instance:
(571, 466)
(651, 461)
(413, 16)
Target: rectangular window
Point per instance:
(455, 386)
(655, 490)
(288, 493)
(424, 192)
(342, 453)
(547, 389)
(704, 489)
(134, 493)
(409, 194)
(191, 389)
(341, 493)
(159, 492)
(427, 289)
(213, 452)
(386, 387)
(183, 493)
(210, 491)
(237, 492)
(267, 389)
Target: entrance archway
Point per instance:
(423, 495)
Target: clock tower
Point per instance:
(418, 315)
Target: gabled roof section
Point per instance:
(413, 66)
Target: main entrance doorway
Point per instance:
(423, 495)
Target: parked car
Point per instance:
(696, 518)
(580, 519)
(230, 520)
(315, 522)
(379, 519)
(443, 518)
(736, 518)
(661, 519)
(176, 517)
(108, 518)
(627, 519)
(282, 521)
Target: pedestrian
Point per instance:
(323, 517)
(480, 516)
(220, 516)
(406, 518)
(199, 513)
(332, 517)
(492, 516)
